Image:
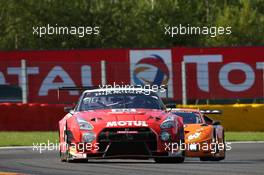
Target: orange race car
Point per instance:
(204, 137)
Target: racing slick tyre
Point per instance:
(215, 158)
(77, 160)
(169, 160)
(211, 158)
(62, 157)
(67, 157)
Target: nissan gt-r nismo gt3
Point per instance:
(118, 123)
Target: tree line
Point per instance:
(129, 23)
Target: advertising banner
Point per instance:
(211, 73)
(221, 73)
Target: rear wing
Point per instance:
(78, 88)
(83, 88)
(205, 111)
(74, 88)
(214, 111)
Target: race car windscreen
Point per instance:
(95, 100)
(189, 117)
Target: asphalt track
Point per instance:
(244, 158)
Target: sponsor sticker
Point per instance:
(126, 123)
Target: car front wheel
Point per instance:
(169, 160)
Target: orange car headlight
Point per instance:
(196, 135)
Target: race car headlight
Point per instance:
(84, 125)
(167, 124)
(88, 137)
(165, 136)
(193, 136)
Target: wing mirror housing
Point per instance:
(68, 109)
(170, 105)
(216, 122)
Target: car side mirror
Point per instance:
(216, 122)
(68, 109)
(170, 105)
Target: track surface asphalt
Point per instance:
(244, 158)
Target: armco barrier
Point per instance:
(30, 117)
(237, 117)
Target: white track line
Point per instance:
(246, 142)
(17, 147)
(27, 147)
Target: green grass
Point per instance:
(28, 138)
(244, 136)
